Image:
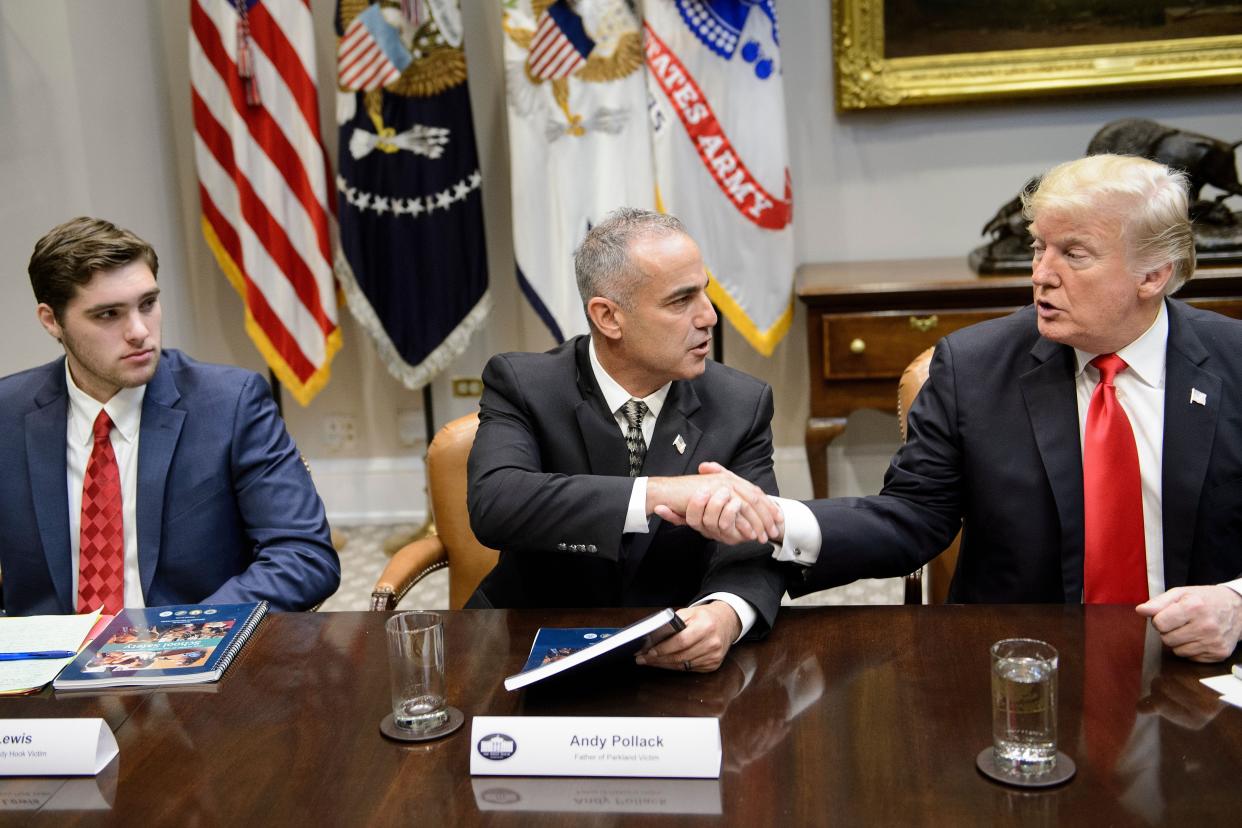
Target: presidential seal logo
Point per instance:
(496, 746)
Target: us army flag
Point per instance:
(578, 138)
(413, 261)
(721, 157)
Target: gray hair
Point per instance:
(1148, 198)
(602, 263)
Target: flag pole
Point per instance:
(428, 418)
(276, 392)
(718, 339)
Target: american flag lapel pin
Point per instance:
(679, 444)
(1197, 397)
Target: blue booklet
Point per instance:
(557, 650)
(156, 646)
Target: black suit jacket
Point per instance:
(994, 447)
(549, 487)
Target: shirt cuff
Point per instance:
(636, 512)
(1236, 586)
(802, 536)
(745, 612)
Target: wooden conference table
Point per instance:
(845, 715)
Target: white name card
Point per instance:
(55, 747)
(637, 746)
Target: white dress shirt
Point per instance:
(1140, 391)
(636, 513)
(125, 410)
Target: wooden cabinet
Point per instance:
(867, 320)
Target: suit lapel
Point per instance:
(45, 460)
(664, 460)
(158, 436)
(1189, 430)
(1052, 405)
(601, 437)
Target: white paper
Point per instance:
(1225, 685)
(55, 747)
(618, 746)
(37, 633)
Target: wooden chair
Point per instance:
(939, 572)
(452, 543)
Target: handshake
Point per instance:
(717, 504)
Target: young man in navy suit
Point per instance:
(178, 478)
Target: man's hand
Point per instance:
(1202, 623)
(710, 630)
(717, 504)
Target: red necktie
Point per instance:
(1114, 552)
(101, 558)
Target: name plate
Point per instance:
(638, 746)
(55, 747)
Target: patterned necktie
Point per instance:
(635, 410)
(101, 558)
(1114, 550)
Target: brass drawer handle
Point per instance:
(857, 346)
(924, 324)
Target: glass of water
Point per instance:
(1024, 706)
(416, 670)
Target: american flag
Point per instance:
(263, 179)
(560, 44)
(370, 55)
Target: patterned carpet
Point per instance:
(363, 558)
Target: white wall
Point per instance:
(94, 118)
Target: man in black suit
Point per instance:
(576, 448)
(1001, 438)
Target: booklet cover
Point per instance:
(557, 650)
(163, 645)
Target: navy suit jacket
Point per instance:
(226, 509)
(994, 448)
(549, 486)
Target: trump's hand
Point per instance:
(716, 503)
(1202, 623)
(711, 629)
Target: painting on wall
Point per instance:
(891, 53)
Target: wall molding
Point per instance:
(370, 490)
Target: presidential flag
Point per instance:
(721, 157)
(413, 261)
(263, 179)
(578, 142)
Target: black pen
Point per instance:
(37, 654)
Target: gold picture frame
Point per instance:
(866, 79)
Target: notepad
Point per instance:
(35, 633)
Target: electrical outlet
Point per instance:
(340, 431)
(411, 431)
(467, 387)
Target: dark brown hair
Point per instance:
(71, 253)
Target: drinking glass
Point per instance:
(1024, 706)
(416, 670)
